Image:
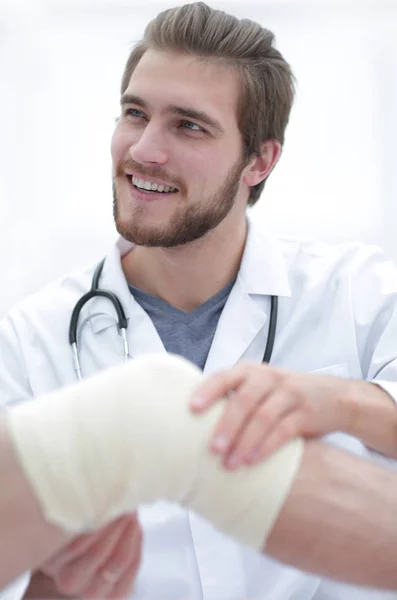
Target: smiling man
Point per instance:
(205, 102)
(178, 169)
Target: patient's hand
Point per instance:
(103, 564)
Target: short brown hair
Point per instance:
(268, 82)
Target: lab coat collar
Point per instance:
(112, 279)
(263, 271)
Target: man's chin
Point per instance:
(151, 237)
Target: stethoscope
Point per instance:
(122, 321)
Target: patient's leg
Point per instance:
(97, 450)
(126, 437)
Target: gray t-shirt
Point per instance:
(187, 334)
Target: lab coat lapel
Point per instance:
(241, 321)
(143, 336)
(263, 273)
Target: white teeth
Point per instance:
(149, 186)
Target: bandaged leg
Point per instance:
(97, 450)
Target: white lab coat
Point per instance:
(337, 315)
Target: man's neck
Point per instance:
(186, 276)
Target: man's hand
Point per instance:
(267, 407)
(99, 565)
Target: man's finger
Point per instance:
(262, 421)
(97, 589)
(214, 388)
(127, 548)
(240, 408)
(80, 545)
(76, 575)
(285, 431)
(110, 582)
(76, 548)
(124, 587)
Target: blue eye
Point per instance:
(192, 126)
(134, 112)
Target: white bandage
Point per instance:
(97, 450)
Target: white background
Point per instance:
(61, 63)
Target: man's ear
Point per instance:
(261, 165)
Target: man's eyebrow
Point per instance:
(181, 111)
(132, 99)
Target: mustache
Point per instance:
(149, 171)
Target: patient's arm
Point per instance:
(340, 519)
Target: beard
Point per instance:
(188, 223)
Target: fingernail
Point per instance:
(197, 402)
(233, 462)
(220, 443)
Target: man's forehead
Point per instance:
(163, 78)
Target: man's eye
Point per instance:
(133, 112)
(192, 126)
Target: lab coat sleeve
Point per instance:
(374, 296)
(14, 388)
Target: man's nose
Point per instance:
(151, 147)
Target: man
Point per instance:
(310, 505)
(205, 103)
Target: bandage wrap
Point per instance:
(126, 437)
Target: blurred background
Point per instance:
(60, 68)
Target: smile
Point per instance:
(148, 186)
